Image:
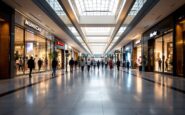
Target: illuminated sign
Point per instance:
(137, 42)
(32, 25)
(153, 34)
(60, 43)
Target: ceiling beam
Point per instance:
(121, 19)
(68, 10)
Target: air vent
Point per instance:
(35, 17)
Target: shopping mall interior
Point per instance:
(92, 57)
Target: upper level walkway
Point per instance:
(98, 92)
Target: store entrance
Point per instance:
(180, 46)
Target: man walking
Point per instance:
(31, 65)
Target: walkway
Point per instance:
(99, 92)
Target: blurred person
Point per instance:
(54, 66)
(71, 63)
(31, 65)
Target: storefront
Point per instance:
(31, 41)
(137, 53)
(180, 41)
(163, 45)
(128, 51)
(158, 47)
(6, 41)
(60, 48)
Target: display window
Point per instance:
(35, 47)
(48, 56)
(163, 51)
(29, 44)
(19, 51)
(138, 60)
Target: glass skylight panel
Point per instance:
(98, 30)
(97, 39)
(137, 6)
(96, 7)
(73, 30)
(121, 30)
(56, 7)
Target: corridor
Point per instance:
(98, 92)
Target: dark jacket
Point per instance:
(71, 62)
(118, 63)
(54, 63)
(31, 63)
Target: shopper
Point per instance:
(71, 63)
(82, 64)
(31, 65)
(128, 65)
(88, 65)
(54, 66)
(106, 63)
(98, 64)
(20, 64)
(40, 62)
(76, 64)
(94, 64)
(118, 64)
(110, 63)
(102, 63)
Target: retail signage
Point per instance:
(59, 43)
(32, 25)
(153, 34)
(137, 42)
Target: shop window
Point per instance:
(168, 53)
(48, 56)
(35, 47)
(158, 55)
(19, 51)
(164, 54)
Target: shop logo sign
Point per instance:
(153, 34)
(32, 25)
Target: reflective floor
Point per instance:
(98, 92)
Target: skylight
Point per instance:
(137, 6)
(96, 7)
(56, 7)
(97, 30)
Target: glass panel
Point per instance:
(180, 37)
(19, 50)
(35, 47)
(48, 58)
(158, 55)
(96, 7)
(168, 53)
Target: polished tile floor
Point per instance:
(98, 92)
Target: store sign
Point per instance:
(137, 42)
(153, 34)
(32, 25)
(60, 43)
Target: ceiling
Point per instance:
(97, 24)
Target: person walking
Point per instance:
(106, 63)
(94, 64)
(40, 62)
(71, 63)
(110, 64)
(128, 65)
(82, 64)
(88, 65)
(31, 65)
(98, 64)
(54, 66)
(118, 64)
